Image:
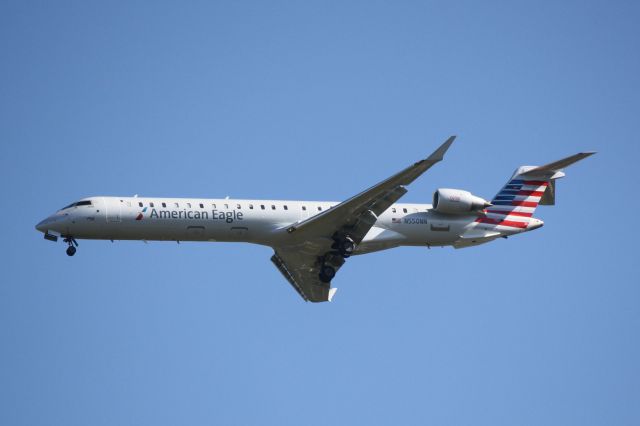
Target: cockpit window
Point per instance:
(78, 204)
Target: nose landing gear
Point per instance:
(71, 250)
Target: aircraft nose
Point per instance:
(48, 224)
(42, 225)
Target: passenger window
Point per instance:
(404, 210)
(150, 204)
(304, 207)
(273, 207)
(393, 210)
(285, 207)
(189, 205)
(177, 205)
(251, 206)
(226, 206)
(262, 206)
(213, 205)
(239, 207)
(140, 204)
(164, 204)
(201, 206)
(319, 208)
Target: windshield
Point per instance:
(77, 204)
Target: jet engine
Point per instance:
(457, 201)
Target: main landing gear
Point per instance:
(71, 250)
(343, 247)
(346, 246)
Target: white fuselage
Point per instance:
(253, 221)
(311, 240)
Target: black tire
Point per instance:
(71, 250)
(327, 273)
(324, 278)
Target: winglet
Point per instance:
(332, 292)
(438, 154)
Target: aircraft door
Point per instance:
(114, 209)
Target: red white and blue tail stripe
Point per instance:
(515, 204)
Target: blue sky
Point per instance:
(319, 100)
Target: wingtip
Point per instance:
(585, 154)
(332, 292)
(449, 141)
(438, 154)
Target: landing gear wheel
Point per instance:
(327, 273)
(346, 247)
(71, 250)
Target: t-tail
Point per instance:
(529, 187)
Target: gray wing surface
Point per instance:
(308, 244)
(302, 271)
(376, 199)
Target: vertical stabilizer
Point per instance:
(529, 187)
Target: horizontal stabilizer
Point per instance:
(548, 170)
(531, 186)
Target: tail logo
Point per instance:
(515, 204)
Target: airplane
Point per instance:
(312, 239)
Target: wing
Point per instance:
(312, 245)
(302, 270)
(359, 213)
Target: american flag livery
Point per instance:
(514, 205)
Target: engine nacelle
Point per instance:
(457, 201)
